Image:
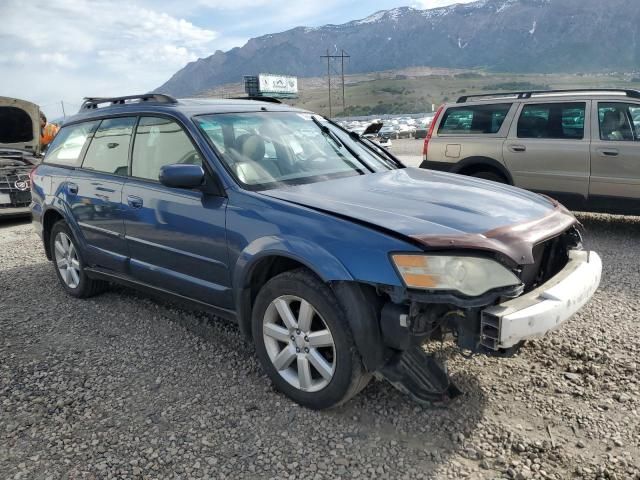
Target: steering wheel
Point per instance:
(190, 158)
(313, 156)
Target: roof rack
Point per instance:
(259, 99)
(94, 102)
(528, 94)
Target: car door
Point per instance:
(615, 157)
(94, 193)
(548, 150)
(176, 237)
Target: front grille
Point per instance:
(549, 258)
(10, 194)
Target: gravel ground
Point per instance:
(409, 150)
(121, 386)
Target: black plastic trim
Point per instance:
(100, 274)
(438, 166)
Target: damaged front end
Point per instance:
(15, 185)
(552, 278)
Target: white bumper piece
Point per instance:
(544, 309)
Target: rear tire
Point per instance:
(487, 175)
(295, 310)
(69, 264)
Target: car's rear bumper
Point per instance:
(544, 309)
(15, 212)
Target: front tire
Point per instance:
(69, 264)
(304, 342)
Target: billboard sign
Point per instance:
(277, 84)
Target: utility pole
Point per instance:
(329, 78)
(329, 58)
(342, 72)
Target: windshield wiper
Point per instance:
(327, 131)
(376, 148)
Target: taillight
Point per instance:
(425, 148)
(31, 174)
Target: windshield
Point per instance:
(266, 150)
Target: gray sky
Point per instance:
(66, 49)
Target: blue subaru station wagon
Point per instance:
(335, 260)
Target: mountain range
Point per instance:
(498, 35)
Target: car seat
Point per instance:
(611, 126)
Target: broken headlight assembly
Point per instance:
(470, 276)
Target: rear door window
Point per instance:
(69, 144)
(552, 121)
(109, 149)
(474, 119)
(619, 122)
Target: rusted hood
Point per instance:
(514, 241)
(439, 209)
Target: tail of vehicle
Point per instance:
(436, 117)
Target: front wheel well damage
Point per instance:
(263, 271)
(361, 303)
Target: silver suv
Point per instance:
(581, 147)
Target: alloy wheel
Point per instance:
(299, 343)
(67, 261)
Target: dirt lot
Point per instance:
(409, 150)
(120, 386)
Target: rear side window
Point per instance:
(109, 149)
(474, 119)
(552, 120)
(619, 122)
(69, 144)
(159, 142)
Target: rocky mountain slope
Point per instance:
(499, 35)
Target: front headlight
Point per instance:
(471, 276)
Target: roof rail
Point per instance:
(528, 94)
(259, 99)
(91, 103)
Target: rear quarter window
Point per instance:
(474, 119)
(70, 143)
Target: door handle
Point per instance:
(72, 188)
(608, 152)
(517, 148)
(134, 202)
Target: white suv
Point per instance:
(581, 147)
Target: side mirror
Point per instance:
(181, 176)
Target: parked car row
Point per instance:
(394, 128)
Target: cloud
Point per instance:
(73, 48)
(232, 5)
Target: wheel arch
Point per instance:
(49, 219)
(477, 164)
(267, 257)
